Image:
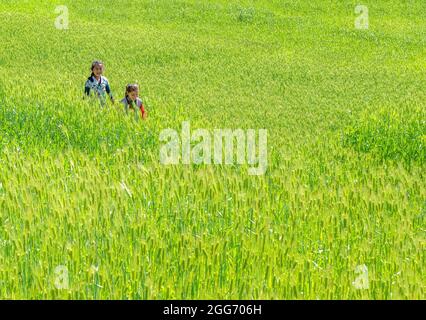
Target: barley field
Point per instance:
(88, 211)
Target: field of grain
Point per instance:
(88, 211)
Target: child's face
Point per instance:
(98, 69)
(133, 95)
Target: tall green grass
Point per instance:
(391, 134)
(83, 187)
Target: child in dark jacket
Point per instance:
(98, 84)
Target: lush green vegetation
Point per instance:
(82, 187)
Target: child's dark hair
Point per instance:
(131, 88)
(96, 63)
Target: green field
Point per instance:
(82, 187)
